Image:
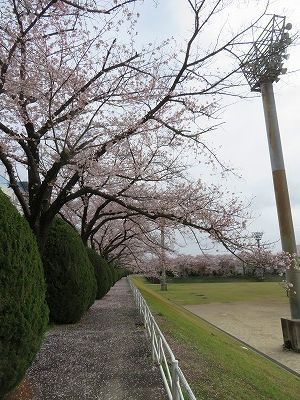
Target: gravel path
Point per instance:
(105, 356)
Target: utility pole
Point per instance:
(163, 277)
(262, 66)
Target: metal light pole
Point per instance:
(262, 66)
(258, 236)
(163, 278)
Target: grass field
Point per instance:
(199, 291)
(216, 365)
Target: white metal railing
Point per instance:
(174, 380)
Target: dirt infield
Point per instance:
(258, 325)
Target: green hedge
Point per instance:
(109, 273)
(118, 272)
(71, 282)
(101, 273)
(23, 311)
(122, 272)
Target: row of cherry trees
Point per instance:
(254, 263)
(102, 125)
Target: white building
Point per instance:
(3, 179)
(4, 186)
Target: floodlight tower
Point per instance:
(258, 236)
(262, 66)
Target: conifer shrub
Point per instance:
(122, 272)
(100, 268)
(70, 278)
(112, 274)
(23, 310)
(115, 272)
(109, 273)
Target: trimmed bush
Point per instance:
(112, 275)
(23, 310)
(100, 268)
(122, 272)
(109, 273)
(117, 271)
(71, 282)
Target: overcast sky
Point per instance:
(243, 136)
(245, 142)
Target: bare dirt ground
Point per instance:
(258, 325)
(103, 357)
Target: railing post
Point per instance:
(159, 350)
(144, 314)
(173, 378)
(175, 391)
(152, 341)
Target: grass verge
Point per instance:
(216, 365)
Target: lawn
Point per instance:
(199, 291)
(216, 365)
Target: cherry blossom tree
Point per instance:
(258, 261)
(203, 265)
(114, 231)
(78, 96)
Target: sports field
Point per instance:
(224, 292)
(217, 365)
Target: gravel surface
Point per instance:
(257, 324)
(105, 356)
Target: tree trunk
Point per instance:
(41, 229)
